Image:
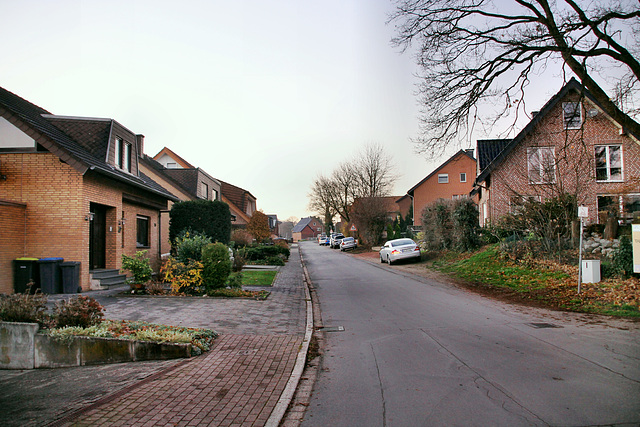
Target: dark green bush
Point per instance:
(189, 244)
(622, 259)
(211, 218)
(217, 266)
(81, 311)
(24, 308)
(261, 252)
(235, 281)
(451, 224)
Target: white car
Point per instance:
(335, 241)
(348, 243)
(398, 249)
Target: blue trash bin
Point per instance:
(50, 275)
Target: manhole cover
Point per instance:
(543, 325)
(332, 329)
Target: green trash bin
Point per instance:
(50, 277)
(70, 277)
(25, 270)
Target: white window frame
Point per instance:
(608, 166)
(570, 119)
(540, 169)
(122, 154)
(443, 178)
(463, 177)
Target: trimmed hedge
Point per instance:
(211, 218)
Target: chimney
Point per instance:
(140, 144)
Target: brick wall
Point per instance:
(575, 169)
(49, 203)
(12, 240)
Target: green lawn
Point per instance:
(258, 278)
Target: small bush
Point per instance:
(241, 237)
(24, 308)
(154, 288)
(216, 266)
(622, 259)
(81, 311)
(183, 277)
(139, 267)
(262, 252)
(239, 261)
(189, 245)
(235, 281)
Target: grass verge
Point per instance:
(541, 283)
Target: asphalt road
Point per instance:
(420, 353)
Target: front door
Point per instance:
(98, 236)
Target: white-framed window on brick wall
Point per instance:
(541, 164)
(572, 115)
(142, 231)
(608, 163)
(443, 178)
(463, 177)
(123, 155)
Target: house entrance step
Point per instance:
(106, 278)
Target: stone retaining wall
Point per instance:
(21, 347)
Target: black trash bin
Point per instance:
(70, 276)
(25, 270)
(50, 275)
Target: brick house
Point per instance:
(570, 146)
(307, 228)
(70, 187)
(451, 180)
(182, 179)
(242, 203)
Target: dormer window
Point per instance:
(123, 155)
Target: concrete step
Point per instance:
(106, 278)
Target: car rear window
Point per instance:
(348, 238)
(403, 242)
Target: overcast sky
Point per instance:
(262, 94)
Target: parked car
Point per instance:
(335, 241)
(321, 238)
(324, 241)
(398, 249)
(348, 243)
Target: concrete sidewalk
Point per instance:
(238, 382)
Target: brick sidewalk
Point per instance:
(239, 383)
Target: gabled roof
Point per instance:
(82, 155)
(468, 153)
(182, 162)
(302, 224)
(235, 195)
(572, 86)
(488, 149)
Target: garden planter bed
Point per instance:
(22, 347)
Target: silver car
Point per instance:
(335, 241)
(398, 249)
(348, 243)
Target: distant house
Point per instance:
(451, 180)
(182, 179)
(274, 225)
(307, 228)
(72, 187)
(242, 203)
(569, 146)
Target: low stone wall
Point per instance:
(21, 347)
(595, 244)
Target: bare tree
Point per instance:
(475, 52)
(374, 171)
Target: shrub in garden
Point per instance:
(239, 261)
(235, 281)
(188, 245)
(241, 238)
(183, 277)
(216, 266)
(466, 228)
(81, 311)
(211, 218)
(24, 308)
(139, 267)
(622, 259)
